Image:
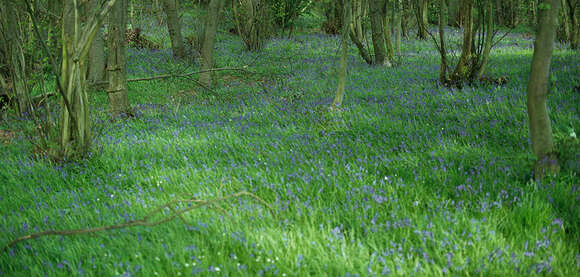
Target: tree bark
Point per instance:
(116, 62)
(378, 30)
(174, 28)
(539, 120)
(96, 63)
(339, 96)
(211, 23)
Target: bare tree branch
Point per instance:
(145, 221)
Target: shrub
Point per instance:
(253, 19)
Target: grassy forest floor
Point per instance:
(410, 179)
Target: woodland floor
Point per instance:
(410, 179)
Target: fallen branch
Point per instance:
(165, 76)
(145, 221)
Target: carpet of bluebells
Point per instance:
(409, 179)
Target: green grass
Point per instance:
(411, 179)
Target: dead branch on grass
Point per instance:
(146, 220)
(183, 75)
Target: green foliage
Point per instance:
(286, 12)
(544, 6)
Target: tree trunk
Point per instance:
(211, 22)
(174, 28)
(357, 30)
(571, 22)
(387, 34)
(443, 11)
(421, 14)
(462, 70)
(339, 96)
(487, 30)
(540, 126)
(378, 31)
(499, 12)
(116, 62)
(12, 38)
(13, 41)
(398, 26)
(96, 63)
(76, 40)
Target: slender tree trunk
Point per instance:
(387, 34)
(499, 12)
(96, 63)
(12, 38)
(337, 103)
(405, 18)
(571, 22)
(357, 30)
(487, 32)
(378, 30)
(540, 126)
(116, 62)
(443, 11)
(574, 10)
(174, 28)
(132, 15)
(398, 26)
(462, 69)
(211, 23)
(421, 14)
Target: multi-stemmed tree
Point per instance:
(75, 132)
(478, 33)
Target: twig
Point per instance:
(145, 220)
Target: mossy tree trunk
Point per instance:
(174, 28)
(211, 23)
(539, 120)
(116, 62)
